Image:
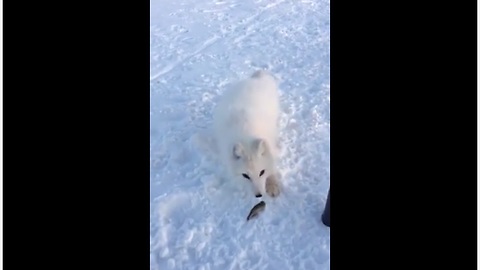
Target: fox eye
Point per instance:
(246, 176)
(262, 172)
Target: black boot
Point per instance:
(326, 211)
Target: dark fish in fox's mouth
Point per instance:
(256, 210)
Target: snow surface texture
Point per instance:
(198, 218)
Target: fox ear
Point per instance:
(260, 146)
(237, 151)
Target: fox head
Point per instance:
(253, 161)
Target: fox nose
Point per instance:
(258, 195)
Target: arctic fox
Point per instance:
(246, 131)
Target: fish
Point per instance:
(256, 210)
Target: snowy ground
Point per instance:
(198, 221)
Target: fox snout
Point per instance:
(259, 187)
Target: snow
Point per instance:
(198, 218)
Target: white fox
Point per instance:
(246, 131)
